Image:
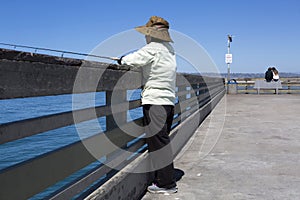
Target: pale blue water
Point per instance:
(25, 108)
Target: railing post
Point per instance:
(246, 87)
(181, 99)
(289, 86)
(119, 97)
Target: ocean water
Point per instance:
(18, 151)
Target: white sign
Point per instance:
(228, 58)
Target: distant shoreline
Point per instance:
(251, 75)
(260, 75)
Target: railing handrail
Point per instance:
(289, 85)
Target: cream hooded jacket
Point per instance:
(158, 62)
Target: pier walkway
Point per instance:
(247, 148)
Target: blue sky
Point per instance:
(266, 31)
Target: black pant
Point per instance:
(158, 121)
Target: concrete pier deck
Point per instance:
(248, 148)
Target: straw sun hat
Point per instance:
(156, 27)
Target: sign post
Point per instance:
(228, 56)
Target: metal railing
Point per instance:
(289, 86)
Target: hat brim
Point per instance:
(162, 34)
